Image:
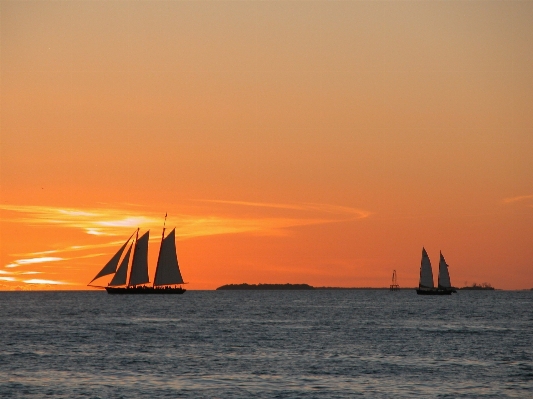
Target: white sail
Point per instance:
(139, 266)
(426, 273)
(444, 275)
(120, 276)
(111, 266)
(168, 270)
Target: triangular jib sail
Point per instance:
(120, 276)
(444, 275)
(168, 270)
(426, 273)
(111, 266)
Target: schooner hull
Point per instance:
(434, 292)
(144, 291)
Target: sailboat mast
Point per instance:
(164, 224)
(162, 238)
(133, 253)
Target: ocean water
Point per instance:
(266, 344)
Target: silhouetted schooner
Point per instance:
(167, 274)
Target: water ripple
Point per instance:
(294, 344)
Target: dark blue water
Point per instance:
(273, 344)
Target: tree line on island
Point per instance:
(246, 286)
(288, 286)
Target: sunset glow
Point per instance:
(289, 142)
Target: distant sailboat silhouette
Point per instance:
(425, 285)
(167, 274)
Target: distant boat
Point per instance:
(167, 278)
(426, 286)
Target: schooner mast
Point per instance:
(139, 265)
(167, 271)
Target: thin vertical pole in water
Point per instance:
(394, 286)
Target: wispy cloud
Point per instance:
(13, 276)
(323, 208)
(13, 273)
(305, 214)
(518, 198)
(40, 260)
(113, 222)
(93, 221)
(22, 262)
(74, 248)
(47, 282)
(206, 222)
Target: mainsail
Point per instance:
(168, 270)
(444, 275)
(111, 266)
(139, 266)
(120, 276)
(426, 274)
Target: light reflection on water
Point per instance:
(287, 344)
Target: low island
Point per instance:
(266, 287)
(484, 286)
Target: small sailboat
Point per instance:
(426, 286)
(167, 279)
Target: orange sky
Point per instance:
(303, 142)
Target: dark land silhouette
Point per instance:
(484, 286)
(288, 286)
(266, 287)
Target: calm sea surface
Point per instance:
(270, 344)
